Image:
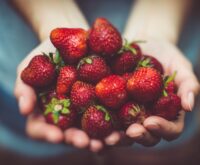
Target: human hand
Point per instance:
(154, 128)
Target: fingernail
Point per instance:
(190, 101)
(21, 103)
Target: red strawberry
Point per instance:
(171, 87)
(168, 106)
(92, 69)
(40, 72)
(67, 76)
(149, 61)
(127, 76)
(145, 85)
(104, 38)
(131, 113)
(71, 43)
(61, 113)
(97, 122)
(111, 91)
(82, 94)
(169, 83)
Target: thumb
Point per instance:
(26, 97)
(169, 130)
(188, 88)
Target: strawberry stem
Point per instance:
(165, 93)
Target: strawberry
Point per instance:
(104, 38)
(40, 72)
(82, 94)
(171, 87)
(169, 83)
(92, 69)
(131, 113)
(60, 112)
(127, 59)
(167, 106)
(111, 91)
(150, 61)
(71, 43)
(127, 76)
(67, 76)
(96, 122)
(145, 85)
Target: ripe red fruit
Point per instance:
(71, 43)
(92, 69)
(127, 76)
(168, 106)
(96, 122)
(131, 113)
(67, 76)
(145, 85)
(82, 94)
(111, 91)
(60, 112)
(104, 38)
(171, 87)
(40, 72)
(149, 61)
(169, 83)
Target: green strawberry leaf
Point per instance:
(139, 41)
(107, 115)
(168, 79)
(145, 62)
(57, 58)
(88, 60)
(66, 102)
(55, 117)
(164, 93)
(65, 111)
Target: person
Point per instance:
(157, 22)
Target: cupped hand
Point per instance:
(36, 126)
(154, 128)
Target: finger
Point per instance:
(187, 82)
(140, 135)
(26, 97)
(167, 129)
(77, 137)
(113, 138)
(37, 128)
(96, 145)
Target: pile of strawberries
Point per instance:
(95, 82)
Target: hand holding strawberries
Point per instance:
(96, 84)
(188, 87)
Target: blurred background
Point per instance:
(17, 39)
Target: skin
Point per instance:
(161, 43)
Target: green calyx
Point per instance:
(86, 60)
(134, 110)
(55, 59)
(57, 107)
(107, 115)
(168, 79)
(164, 93)
(145, 63)
(127, 47)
